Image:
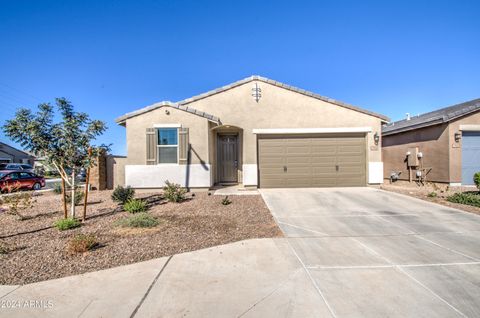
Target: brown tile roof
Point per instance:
(439, 116)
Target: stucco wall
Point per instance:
(115, 171)
(277, 108)
(456, 147)
(282, 108)
(136, 133)
(431, 141)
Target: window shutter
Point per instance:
(183, 146)
(151, 146)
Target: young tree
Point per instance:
(65, 144)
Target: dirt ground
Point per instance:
(422, 192)
(36, 251)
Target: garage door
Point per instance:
(311, 161)
(470, 156)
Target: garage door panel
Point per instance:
(350, 159)
(470, 156)
(325, 169)
(349, 149)
(312, 161)
(298, 160)
(292, 170)
(321, 160)
(303, 150)
(272, 161)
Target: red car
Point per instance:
(20, 179)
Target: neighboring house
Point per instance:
(14, 155)
(448, 140)
(256, 132)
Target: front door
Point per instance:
(228, 158)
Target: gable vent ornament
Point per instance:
(256, 92)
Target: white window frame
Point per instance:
(157, 128)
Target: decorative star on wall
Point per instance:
(256, 92)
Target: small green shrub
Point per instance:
(432, 194)
(143, 220)
(82, 243)
(476, 179)
(66, 224)
(19, 202)
(135, 206)
(122, 194)
(57, 189)
(226, 201)
(77, 199)
(3, 248)
(465, 198)
(173, 192)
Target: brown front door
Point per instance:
(227, 158)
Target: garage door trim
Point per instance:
(270, 131)
(316, 172)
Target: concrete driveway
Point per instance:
(371, 253)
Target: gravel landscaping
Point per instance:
(433, 194)
(32, 250)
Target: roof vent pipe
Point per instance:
(408, 116)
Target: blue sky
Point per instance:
(112, 57)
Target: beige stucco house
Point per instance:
(256, 132)
(441, 146)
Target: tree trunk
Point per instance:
(84, 216)
(72, 199)
(64, 199)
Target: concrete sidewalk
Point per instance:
(253, 278)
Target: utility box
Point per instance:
(412, 158)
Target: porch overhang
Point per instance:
(226, 126)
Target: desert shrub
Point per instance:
(226, 201)
(77, 199)
(142, 219)
(135, 206)
(82, 243)
(465, 198)
(57, 189)
(3, 248)
(17, 202)
(432, 194)
(66, 224)
(476, 179)
(173, 192)
(122, 194)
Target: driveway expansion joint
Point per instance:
(150, 288)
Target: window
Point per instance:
(167, 145)
(25, 175)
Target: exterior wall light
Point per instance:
(167, 112)
(457, 136)
(376, 138)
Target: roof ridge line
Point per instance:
(281, 85)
